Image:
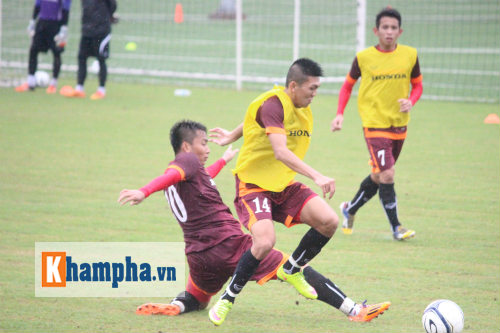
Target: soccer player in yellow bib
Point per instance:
(277, 130)
(387, 70)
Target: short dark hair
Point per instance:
(388, 12)
(302, 69)
(184, 130)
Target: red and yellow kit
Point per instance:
(256, 161)
(385, 78)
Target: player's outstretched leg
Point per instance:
(158, 309)
(183, 303)
(329, 293)
(219, 311)
(369, 312)
(298, 281)
(309, 246)
(247, 265)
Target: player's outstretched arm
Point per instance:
(229, 154)
(223, 137)
(214, 169)
(285, 155)
(135, 197)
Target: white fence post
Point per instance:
(239, 42)
(296, 30)
(361, 25)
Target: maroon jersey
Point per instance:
(196, 203)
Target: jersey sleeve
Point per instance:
(346, 89)
(416, 83)
(170, 177)
(355, 72)
(214, 169)
(271, 116)
(416, 76)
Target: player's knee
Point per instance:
(387, 176)
(261, 247)
(329, 223)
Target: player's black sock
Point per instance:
(33, 61)
(367, 189)
(56, 65)
(327, 291)
(186, 302)
(82, 69)
(103, 71)
(246, 268)
(310, 245)
(388, 199)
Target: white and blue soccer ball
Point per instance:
(42, 78)
(443, 316)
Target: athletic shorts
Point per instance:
(254, 203)
(94, 46)
(209, 270)
(43, 40)
(384, 146)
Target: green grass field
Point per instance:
(63, 163)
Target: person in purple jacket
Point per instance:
(49, 32)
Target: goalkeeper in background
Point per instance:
(50, 32)
(97, 17)
(384, 104)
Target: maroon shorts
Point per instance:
(254, 203)
(209, 270)
(384, 146)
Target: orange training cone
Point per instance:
(492, 118)
(178, 16)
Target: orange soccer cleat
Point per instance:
(369, 312)
(158, 309)
(69, 91)
(24, 87)
(52, 89)
(97, 95)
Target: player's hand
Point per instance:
(405, 105)
(220, 136)
(135, 197)
(229, 154)
(31, 28)
(326, 184)
(336, 124)
(62, 36)
(115, 18)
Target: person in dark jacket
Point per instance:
(97, 17)
(49, 32)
